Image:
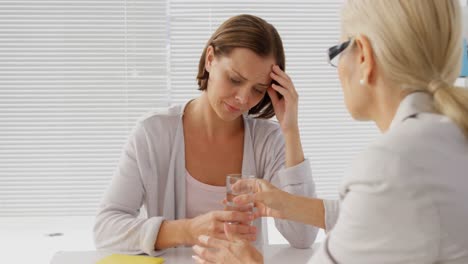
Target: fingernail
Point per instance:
(196, 248)
(197, 258)
(203, 239)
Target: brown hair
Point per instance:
(253, 33)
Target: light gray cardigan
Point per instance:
(151, 173)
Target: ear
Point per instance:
(367, 66)
(209, 58)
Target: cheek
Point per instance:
(349, 85)
(343, 75)
(218, 86)
(255, 99)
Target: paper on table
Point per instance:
(128, 259)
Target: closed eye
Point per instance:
(235, 81)
(259, 91)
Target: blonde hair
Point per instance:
(418, 45)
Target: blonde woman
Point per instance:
(175, 164)
(405, 199)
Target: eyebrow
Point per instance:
(240, 75)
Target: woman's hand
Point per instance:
(271, 201)
(234, 250)
(212, 223)
(286, 108)
(266, 198)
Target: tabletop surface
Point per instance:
(272, 254)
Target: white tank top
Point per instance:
(202, 198)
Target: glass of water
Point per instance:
(239, 189)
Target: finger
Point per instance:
(244, 186)
(277, 70)
(273, 96)
(230, 234)
(248, 237)
(218, 227)
(257, 214)
(247, 208)
(256, 198)
(200, 260)
(281, 90)
(204, 253)
(219, 235)
(213, 242)
(285, 83)
(227, 207)
(244, 199)
(251, 237)
(289, 85)
(243, 229)
(233, 216)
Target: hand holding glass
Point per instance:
(233, 190)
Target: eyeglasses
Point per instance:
(334, 51)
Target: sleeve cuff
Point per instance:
(297, 174)
(332, 210)
(148, 235)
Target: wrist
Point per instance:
(291, 132)
(171, 234)
(286, 210)
(294, 152)
(185, 232)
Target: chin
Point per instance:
(358, 115)
(226, 116)
(354, 113)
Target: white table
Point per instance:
(272, 254)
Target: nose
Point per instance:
(242, 96)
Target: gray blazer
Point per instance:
(151, 173)
(405, 199)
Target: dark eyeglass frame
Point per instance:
(336, 50)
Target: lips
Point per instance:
(231, 108)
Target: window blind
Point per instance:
(75, 75)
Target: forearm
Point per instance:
(172, 233)
(294, 152)
(306, 210)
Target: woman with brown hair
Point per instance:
(176, 160)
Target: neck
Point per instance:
(388, 99)
(203, 118)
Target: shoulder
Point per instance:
(423, 138)
(265, 129)
(161, 117)
(158, 115)
(267, 141)
(404, 154)
(159, 123)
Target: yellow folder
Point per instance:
(129, 259)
